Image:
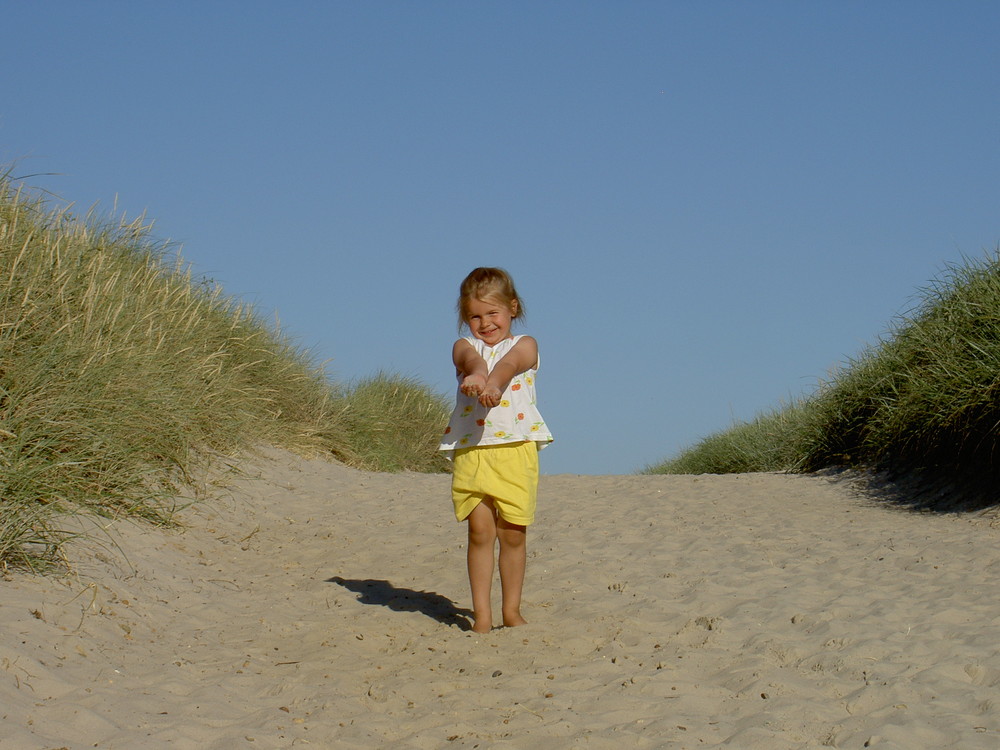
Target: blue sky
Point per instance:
(707, 206)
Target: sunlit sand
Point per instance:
(321, 605)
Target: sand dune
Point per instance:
(319, 605)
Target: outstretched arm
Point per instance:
(522, 357)
(471, 368)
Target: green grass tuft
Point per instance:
(771, 442)
(391, 421)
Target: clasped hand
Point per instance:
(477, 387)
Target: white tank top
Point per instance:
(515, 420)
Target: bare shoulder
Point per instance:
(526, 351)
(526, 342)
(462, 345)
(463, 354)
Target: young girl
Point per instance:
(494, 436)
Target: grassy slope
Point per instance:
(119, 373)
(925, 399)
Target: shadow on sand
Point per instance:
(934, 490)
(384, 594)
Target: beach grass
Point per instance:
(122, 376)
(394, 424)
(772, 441)
(925, 398)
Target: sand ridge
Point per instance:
(314, 604)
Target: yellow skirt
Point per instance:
(507, 473)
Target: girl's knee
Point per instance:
(482, 525)
(482, 535)
(512, 535)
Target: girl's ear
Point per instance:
(515, 307)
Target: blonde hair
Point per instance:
(489, 283)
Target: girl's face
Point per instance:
(489, 319)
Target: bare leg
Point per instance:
(482, 542)
(513, 560)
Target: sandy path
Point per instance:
(319, 605)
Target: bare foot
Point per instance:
(514, 621)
